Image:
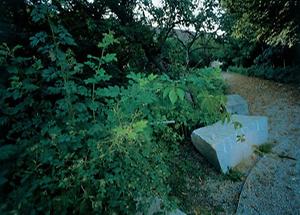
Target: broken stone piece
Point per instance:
(236, 105)
(226, 144)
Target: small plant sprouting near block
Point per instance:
(234, 175)
(264, 148)
(240, 137)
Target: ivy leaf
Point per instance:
(173, 96)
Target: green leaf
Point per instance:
(109, 58)
(17, 47)
(95, 129)
(7, 151)
(12, 69)
(40, 37)
(93, 105)
(166, 92)
(152, 77)
(107, 40)
(173, 96)
(237, 125)
(81, 107)
(135, 76)
(91, 81)
(139, 126)
(240, 138)
(69, 41)
(108, 92)
(180, 93)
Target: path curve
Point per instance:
(273, 185)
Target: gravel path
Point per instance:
(273, 184)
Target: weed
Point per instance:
(234, 175)
(264, 148)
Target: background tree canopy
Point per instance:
(265, 36)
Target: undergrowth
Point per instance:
(73, 141)
(290, 74)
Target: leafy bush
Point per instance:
(75, 143)
(173, 52)
(239, 70)
(288, 74)
(77, 148)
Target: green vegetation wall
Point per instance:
(90, 120)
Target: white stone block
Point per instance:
(236, 105)
(221, 143)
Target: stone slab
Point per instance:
(236, 104)
(225, 145)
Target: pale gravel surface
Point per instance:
(273, 185)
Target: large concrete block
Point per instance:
(226, 144)
(236, 105)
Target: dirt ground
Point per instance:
(273, 185)
(206, 191)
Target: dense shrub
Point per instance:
(74, 142)
(237, 69)
(173, 52)
(288, 74)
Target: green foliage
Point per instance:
(234, 175)
(241, 138)
(264, 148)
(288, 74)
(173, 52)
(192, 100)
(262, 36)
(203, 92)
(81, 146)
(273, 22)
(236, 69)
(76, 142)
